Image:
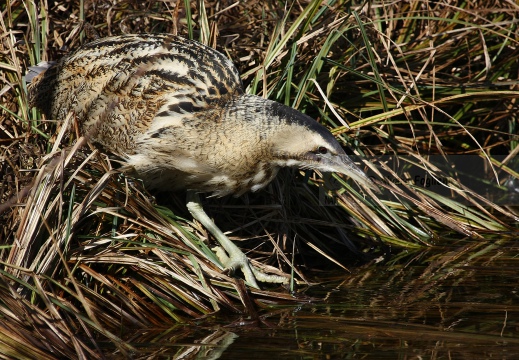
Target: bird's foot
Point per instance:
(238, 260)
(229, 254)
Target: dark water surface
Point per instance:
(452, 303)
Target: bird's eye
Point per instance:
(322, 150)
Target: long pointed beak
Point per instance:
(347, 167)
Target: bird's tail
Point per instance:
(40, 68)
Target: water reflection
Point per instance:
(460, 303)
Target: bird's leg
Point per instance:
(236, 258)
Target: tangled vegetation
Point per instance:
(423, 93)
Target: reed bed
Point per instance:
(88, 254)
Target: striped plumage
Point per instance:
(116, 86)
(176, 110)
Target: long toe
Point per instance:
(238, 260)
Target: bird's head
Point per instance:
(297, 140)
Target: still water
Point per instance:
(460, 302)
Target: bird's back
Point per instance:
(121, 87)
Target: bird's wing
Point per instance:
(118, 86)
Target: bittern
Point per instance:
(176, 112)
